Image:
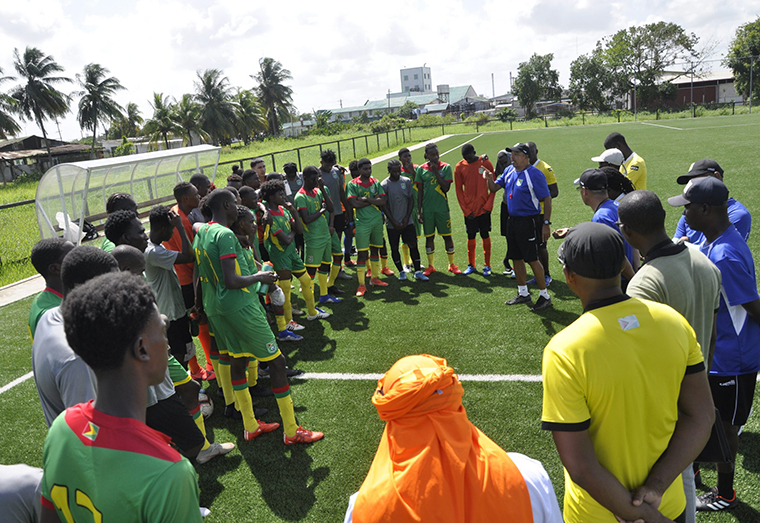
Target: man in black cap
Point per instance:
(526, 189)
(733, 374)
(737, 213)
(625, 392)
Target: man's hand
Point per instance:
(419, 217)
(560, 233)
(289, 206)
(546, 232)
(487, 173)
(175, 220)
(470, 216)
(269, 277)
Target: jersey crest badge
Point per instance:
(271, 347)
(403, 186)
(629, 322)
(519, 182)
(90, 431)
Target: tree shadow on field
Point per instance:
(348, 315)
(749, 448)
(555, 320)
(284, 473)
(209, 474)
(745, 513)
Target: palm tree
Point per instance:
(187, 115)
(161, 125)
(96, 98)
(8, 126)
(273, 95)
(217, 108)
(128, 124)
(250, 115)
(37, 99)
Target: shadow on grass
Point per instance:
(749, 448)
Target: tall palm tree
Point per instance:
(8, 126)
(250, 115)
(96, 98)
(128, 124)
(274, 96)
(213, 93)
(37, 99)
(187, 115)
(161, 125)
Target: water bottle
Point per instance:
(264, 287)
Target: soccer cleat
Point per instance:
(428, 270)
(531, 281)
(320, 315)
(387, 271)
(377, 282)
(361, 290)
(328, 298)
(349, 263)
(518, 300)
(302, 436)
(419, 275)
(214, 450)
(335, 291)
(201, 375)
(231, 412)
(486, 270)
(287, 335)
(454, 269)
(368, 274)
(409, 268)
(712, 502)
(509, 273)
(343, 276)
(470, 270)
(291, 373)
(293, 326)
(260, 391)
(548, 280)
(541, 304)
(262, 429)
(402, 276)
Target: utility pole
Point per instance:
(751, 63)
(493, 86)
(692, 89)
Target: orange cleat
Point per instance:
(428, 270)
(369, 272)
(387, 271)
(303, 436)
(377, 282)
(454, 269)
(263, 427)
(361, 290)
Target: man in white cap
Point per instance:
(610, 157)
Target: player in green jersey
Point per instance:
(47, 256)
(99, 457)
(367, 197)
(433, 179)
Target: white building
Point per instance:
(416, 80)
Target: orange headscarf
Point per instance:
(432, 463)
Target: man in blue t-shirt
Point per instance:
(525, 189)
(737, 213)
(737, 348)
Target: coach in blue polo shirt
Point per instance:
(733, 374)
(525, 187)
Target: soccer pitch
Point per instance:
(462, 319)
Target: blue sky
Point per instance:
(349, 51)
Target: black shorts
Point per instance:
(504, 218)
(408, 234)
(733, 396)
(479, 224)
(263, 252)
(188, 295)
(339, 223)
(522, 242)
(540, 231)
(171, 417)
(180, 340)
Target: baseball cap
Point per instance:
(613, 156)
(593, 250)
(707, 190)
(706, 167)
(592, 179)
(520, 147)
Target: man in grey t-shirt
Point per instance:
(334, 179)
(20, 493)
(400, 194)
(294, 182)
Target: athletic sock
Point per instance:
(198, 419)
(471, 245)
(544, 293)
(279, 317)
(322, 277)
(334, 270)
(450, 255)
(253, 373)
(726, 484)
(523, 290)
(361, 272)
(487, 251)
(431, 258)
(383, 261)
(205, 339)
(192, 363)
(285, 404)
(405, 254)
(244, 404)
(374, 264)
(308, 294)
(223, 377)
(287, 307)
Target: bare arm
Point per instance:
(713, 338)
(420, 190)
(297, 225)
(445, 185)
(308, 218)
(488, 177)
(753, 310)
(233, 280)
(186, 255)
(554, 190)
(546, 228)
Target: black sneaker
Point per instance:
(292, 372)
(334, 290)
(231, 412)
(260, 391)
(712, 502)
(541, 304)
(518, 300)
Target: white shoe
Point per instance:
(214, 450)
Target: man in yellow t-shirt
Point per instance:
(615, 383)
(551, 181)
(634, 167)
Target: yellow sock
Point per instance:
(431, 258)
(405, 254)
(361, 273)
(287, 307)
(375, 266)
(322, 277)
(311, 284)
(245, 405)
(288, 415)
(451, 258)
(308, 295)
(280, 319)
(334, 270)
(224, 379)
(253, 373)
(383, 261)
(200, 423)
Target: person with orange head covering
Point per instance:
(433, 464)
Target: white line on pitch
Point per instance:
(15, 382)
(663, 126)
(337, 376)
(461, 144)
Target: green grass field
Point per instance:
(460, 318)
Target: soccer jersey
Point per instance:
(107, 245)
(472, 190)
(358, 188)
(607, 213)
(737, 214)
(184, 270)
(737, 347)
(523, 190)
(548, 172)
(160, 273)
(334, 181)
(99, 467)
(617, 371)
(43, 302)
(433, 197)
(400, 199)
(282, 221)
(319, 229)
(635, 169)
(214, 243)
